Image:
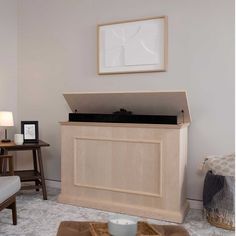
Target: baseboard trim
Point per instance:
(53, 183)
(193, 204)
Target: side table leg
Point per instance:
(35, 167)
(3, 164)
(1, 151)
(42, 173)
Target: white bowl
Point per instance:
(122, 227)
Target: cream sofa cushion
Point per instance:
(9, 185)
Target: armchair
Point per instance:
(9, 185)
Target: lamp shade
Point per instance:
(6, 118)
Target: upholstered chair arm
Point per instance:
(6, 161)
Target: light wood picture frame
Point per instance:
(132, 46)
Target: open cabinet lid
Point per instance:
(140, 103)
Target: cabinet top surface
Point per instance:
(128, 125)
(140, 103)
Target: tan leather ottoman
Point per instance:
(76, 228)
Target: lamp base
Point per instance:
(5, 140)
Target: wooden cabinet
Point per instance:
(137, 169)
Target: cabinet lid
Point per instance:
(140, 103)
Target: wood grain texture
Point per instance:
(135, 170)
(94, 167)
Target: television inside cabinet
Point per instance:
(126, 166)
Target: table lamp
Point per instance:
(6, 120)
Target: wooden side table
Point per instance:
(37, 174)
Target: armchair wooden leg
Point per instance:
(12, 206)
(14, 213)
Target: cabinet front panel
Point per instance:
(118, 165)
(137, 170)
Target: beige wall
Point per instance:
(8, 59)
(57, 53)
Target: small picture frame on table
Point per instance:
(29, 129)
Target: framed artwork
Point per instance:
(29, 129)
(132, 46)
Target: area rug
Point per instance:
(75, 228)
(37, 217)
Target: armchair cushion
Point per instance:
(9, 185)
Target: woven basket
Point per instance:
(220, 222)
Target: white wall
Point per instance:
(57, 53)
(8, 59)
